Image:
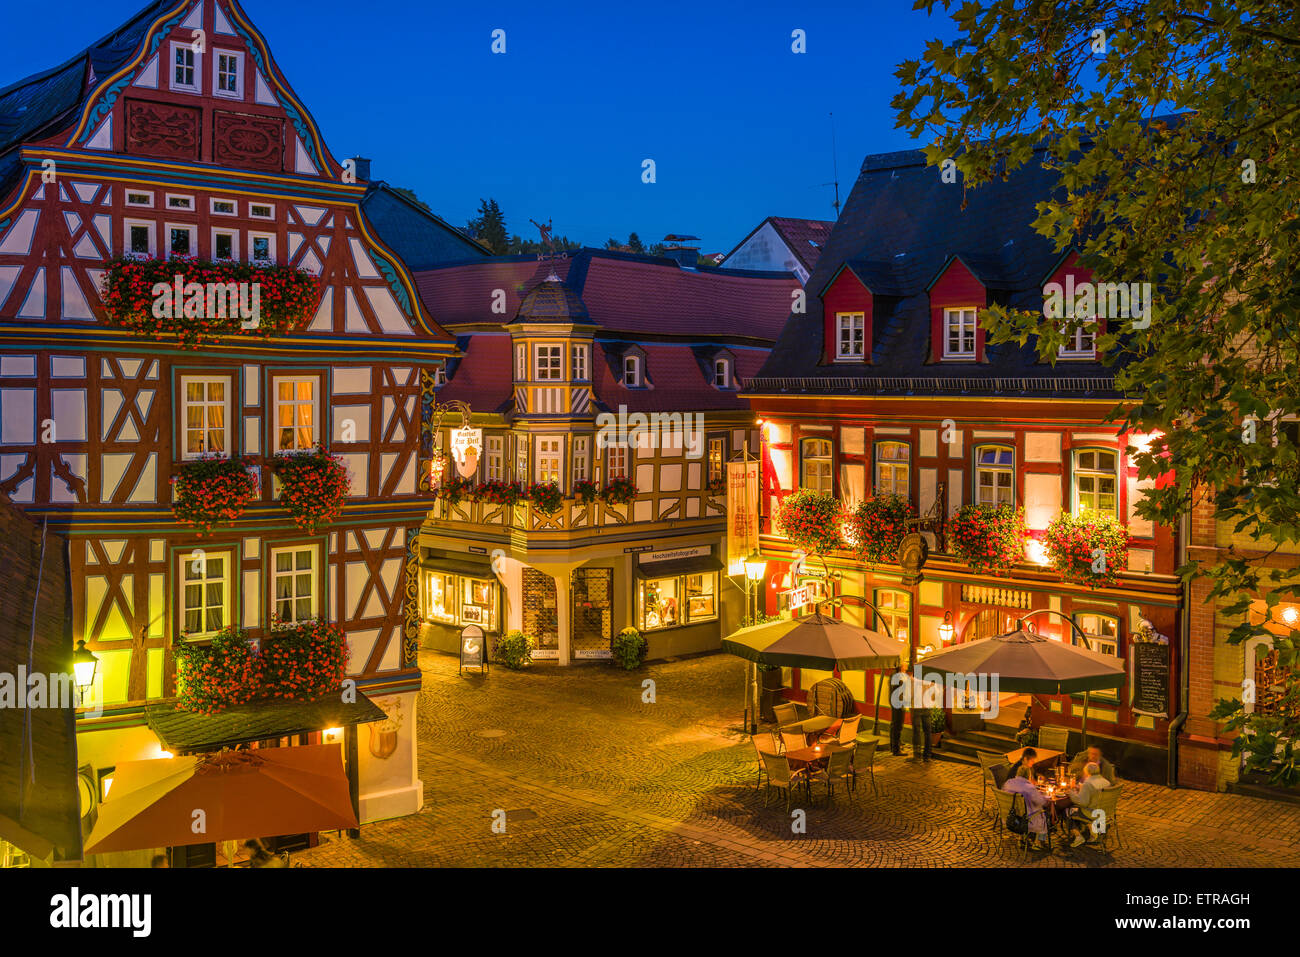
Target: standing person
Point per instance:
(921, 726)
(898, 691)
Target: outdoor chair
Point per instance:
(1053, 737)
(780, 776)
(786, 714)
(1108, 804)
(794, 740)
(864, 762)
(987, 760)
(849, 730)
(1001, 774)
(762, 756)
(1007, 802)
(838, 768)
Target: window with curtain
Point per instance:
(994, 475)
(1095, 481)
(293, 579)
(959, 333)
(815, 465)
(893, 469)
(205, 404)
(295, 414)
(205, 592)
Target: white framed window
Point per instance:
(180, 201)
(296, 412)
(994, 475)
(521, 458)
(550, 458)
(1102, 636)
(227, 74)
(815, 465)
(496, 465)
(205, 416)
(850, 331)
(440, 375)
(139, 198)
(578, 358)
(182, 240)
(616, 462)
(1081, 343)
(225, 244)
(893, 469)
(205, 592)
(895, 608)
(632, 371)
(722, 373)
(261, 210)
(581, 452)
(224, 207)
(717, 459)
(261, 248)
(295, 583)
(1095, 481)
(959, 333)
(186, 65)
(521, 363)
(138, 239)
(548, 362)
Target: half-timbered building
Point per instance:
(178, 135)
(889, 385)
(581, 371)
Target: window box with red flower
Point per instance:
(455, 490)
(585, 492)
(499, 493)
(313, 485)
(210, 491)
(546, 497)
(878, 526)
(811, 521)
(618, 491)
(716, 486)
(140, 295)
(988, 538)
(1090, 548)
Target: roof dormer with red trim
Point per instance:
(1068, 276)
(848, 305)
(957, 294)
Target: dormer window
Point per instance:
(850, 337)
(548, 363)
(1082, 342)
(185, 67)
(959, 333)
(722, 373)
(632, 371)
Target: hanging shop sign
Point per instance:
(674, 554)
(1149, 679)
(742, 511)
(466, 446)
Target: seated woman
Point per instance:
(1035, 805)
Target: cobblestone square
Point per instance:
(589, 776)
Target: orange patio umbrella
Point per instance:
(241, 794)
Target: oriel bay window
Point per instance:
(549, 459)
(893, 469)
(1095, 481)
(815, 465)
(994, 475)
(677, 600)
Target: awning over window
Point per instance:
(186, 731)
(678, 566)
(459, 563)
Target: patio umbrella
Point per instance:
(242, 794)
(815, 641)
(1026, 661)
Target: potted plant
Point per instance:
(938, 724)
(878, 526)
(629, 648)
(618, 491)
(508, 494)
(546, 497)
(211, 490)
(810, 520)
(455, 490)
(313, 486)
(988, 538)
(514, 650)
(716, 486)
(1090, 548)
(585, 492)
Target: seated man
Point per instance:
(1093, 755)
(1026, 729)
(1084, 799)
(1026, 761)
(1035, 805)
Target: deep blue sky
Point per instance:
(558, 126)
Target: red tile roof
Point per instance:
(805, 237)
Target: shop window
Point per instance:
(815, 465)
(893, 469)
(677, 600)
(994, 475)
(440, 597)
(1095, 482)
(478, 602)
(459, 600)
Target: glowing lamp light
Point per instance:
(1291, 615)
(946, 629)
(105, 783)
(1036, 552)
(84, 664)
(331, 735)
(165, 754)
(755, 566)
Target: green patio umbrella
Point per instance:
(815, 641)
(1024, 660)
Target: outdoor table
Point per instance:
(1058, 803)
(811, 725)
(1044, 756)
(804, 757)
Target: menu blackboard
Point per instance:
(472, 648)
(1149, 679)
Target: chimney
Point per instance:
(363, 168)
(679, 248)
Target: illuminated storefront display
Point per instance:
(676, 588)
(461, 599)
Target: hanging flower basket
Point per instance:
(499, 493)
(212, 491)
(878, 526)
(216, 299)
(811, 521)
(302, 661)
(716, 486)
(988, 538)
(546, 497)
(1087, 549)
(618, 491)
(585, 492)
(313, 486)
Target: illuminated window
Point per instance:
(895, 609)
(295, 414)
(1095, 481)
(205, 592)
(678, 600)
(1103, 638)
(994, 475)
(294, 583)
(815, 465)
(717, 457)
(549, 459)
(893, 469)
(959, 333)
(205, 411)
(616, 462)
(440, 597)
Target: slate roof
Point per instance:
(44, 102)
(423, 239)
(900, 226)
(553, 301)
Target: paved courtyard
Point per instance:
(589, 775)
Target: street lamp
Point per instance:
(946, 629)
(755, 568)
(84, 664)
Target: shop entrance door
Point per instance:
(986, 624)
(593, 612)
(541, 618)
